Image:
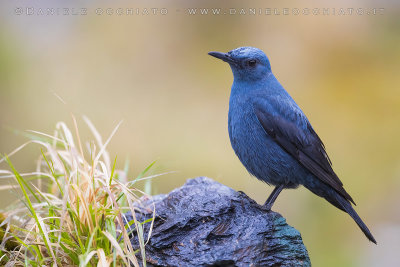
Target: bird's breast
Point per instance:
(248, 139)
(257, 151)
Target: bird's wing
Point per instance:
(302, 144)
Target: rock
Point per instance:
(204, 223)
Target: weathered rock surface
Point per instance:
(204, 223)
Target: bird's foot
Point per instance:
(266, 207)
(272, 197)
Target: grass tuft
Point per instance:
(72, 207)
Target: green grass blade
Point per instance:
(31, 209)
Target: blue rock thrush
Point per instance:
(273, 138)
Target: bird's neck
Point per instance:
(269, 84)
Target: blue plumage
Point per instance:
(273, 138)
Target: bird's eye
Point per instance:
(252, 62)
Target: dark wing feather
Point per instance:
(305, 146)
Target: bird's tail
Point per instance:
(346, 206)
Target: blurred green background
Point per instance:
(153, 72)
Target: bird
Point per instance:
(273, 138)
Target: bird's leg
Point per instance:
(272, 197)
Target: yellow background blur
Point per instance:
(153, 72)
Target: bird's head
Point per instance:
(247, 63)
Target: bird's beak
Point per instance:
(223, 56)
